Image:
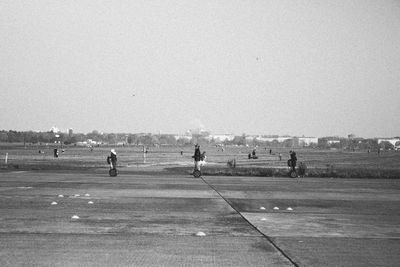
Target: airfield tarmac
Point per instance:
(158, 220)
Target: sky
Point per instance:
(312, 68)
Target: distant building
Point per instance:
(222, 137)
(186, 136)
(54, 129)
(394, 141)
(331, 142)
(279, 139)
(308, 141)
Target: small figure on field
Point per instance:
(270, 151)
(280, 156)
(181, 152)
(55, 152)
(253, 155)
(112, 159)
(293, 160)
(197, 157)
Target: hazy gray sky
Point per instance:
(316, 68)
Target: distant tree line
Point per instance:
(148, 139)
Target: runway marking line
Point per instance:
(255, 228)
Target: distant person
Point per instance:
(293, 160)
(55, 152)
(270, 151)
(181, 152)
(197, 157)
(112, 159)
(280, 156)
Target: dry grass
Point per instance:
(320, 163)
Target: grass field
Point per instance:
(320, 163)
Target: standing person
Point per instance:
(112, 159)
(293, 160)
(197, 157)
(280, 156)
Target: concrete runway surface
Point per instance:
(158, 220)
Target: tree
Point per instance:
(386, 145)
(3, 136)
(167, 139)
(111, 138)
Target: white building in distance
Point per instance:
(308, 141)
(393, 141)
(222, 137)
(279, 139)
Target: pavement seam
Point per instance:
(255, 228)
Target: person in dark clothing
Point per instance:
(112, 159)
(197, 157)
(293, 160)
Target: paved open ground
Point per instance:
(153, 220)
